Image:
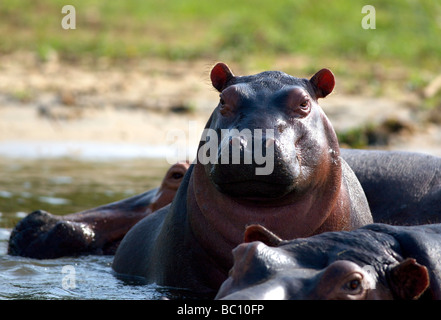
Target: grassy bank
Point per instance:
(406, 31)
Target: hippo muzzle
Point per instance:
(254, 165)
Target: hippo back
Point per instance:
(402, 188)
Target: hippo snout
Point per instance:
(252, 266)
(254, 165)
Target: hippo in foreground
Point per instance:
(377, 261)
(268, 155)
(95, 231)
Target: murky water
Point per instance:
(88, 277)
(62, 186)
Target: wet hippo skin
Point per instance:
(95, 231)
(377, 261)
(374, 262)
(310, 190)
(402, 188)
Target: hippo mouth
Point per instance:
(243, 183)
(254, 190)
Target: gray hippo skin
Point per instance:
(377, 261)
(402, 188)
(310, 189)
(97, 231)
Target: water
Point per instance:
(83, 150)
(88, 277)
(61, 186)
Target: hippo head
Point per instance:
(169, 185)
(272, 125)
(336, 265)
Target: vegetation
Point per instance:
(373, 134)
(407, 31)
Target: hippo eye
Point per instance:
(353, 284)
(304, 104)
(225, 109)
(301, 110)
(177, 175)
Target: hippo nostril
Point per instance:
(270, 142)
(238, 141)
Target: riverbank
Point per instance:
(48, 106)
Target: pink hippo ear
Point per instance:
(256, 232)
(323, 82)
(409, 279)
(220, 75)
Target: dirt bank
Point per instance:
(143, 102)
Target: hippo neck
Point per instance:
(218, 221)
(215, 250)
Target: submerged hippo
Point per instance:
(95, 231)
(377, 261)
(268, 155)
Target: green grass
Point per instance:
(408, 31)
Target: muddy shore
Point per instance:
(145, 103)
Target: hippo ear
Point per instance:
(220, 75)
(409, 279)
(256, 232)
(323, 82)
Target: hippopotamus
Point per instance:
(410, 185)
(377, 261)
(95, 231)
(268, 155)
(402, 188)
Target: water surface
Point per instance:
(61, 186)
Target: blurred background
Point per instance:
(85, 113)
(88, 115)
